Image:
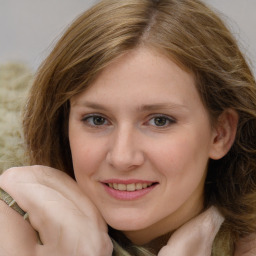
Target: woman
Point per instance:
(151, 107)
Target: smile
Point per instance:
(129, 187)
(128, 190)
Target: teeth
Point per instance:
(129, 187)
(138, 186)
(121, 187)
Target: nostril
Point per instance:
(125, 160)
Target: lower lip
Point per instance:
(128, 195)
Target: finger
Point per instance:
(51, 213)
(21, 179)
(22, 184)
(195, 238)
(91, 244)
(209, 221)
(51, 210)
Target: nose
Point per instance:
(125, 151)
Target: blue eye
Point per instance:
(161, 121)
(95, 120)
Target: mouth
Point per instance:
(130, 187)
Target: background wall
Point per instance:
(29, 28)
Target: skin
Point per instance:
(18, 237)
(67, 221)
(197, 235)
(126, 144)
(71, 217)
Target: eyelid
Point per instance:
(162, 115)
(85, 116)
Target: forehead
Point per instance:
(142, 74)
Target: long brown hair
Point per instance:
(195, 37)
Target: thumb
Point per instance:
(195, 237)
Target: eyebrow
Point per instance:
(157, 106)
(142, 108)
(92, 105)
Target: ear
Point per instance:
(224, 134)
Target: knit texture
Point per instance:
(15, 80)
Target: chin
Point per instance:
(126, 223)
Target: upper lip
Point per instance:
(129, 181)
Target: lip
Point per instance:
(128, 195)
(130, 181)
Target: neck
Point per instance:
(156, 244)
(153, 246)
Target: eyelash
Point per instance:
(90, 121)
(168, 121)
(92, 118)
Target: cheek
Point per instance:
(85, 155)
(183, 166)
(179, 156)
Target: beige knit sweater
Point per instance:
(15, 80)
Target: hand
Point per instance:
(67, 221)
(17, 237)
(195, 238)
(246, 246)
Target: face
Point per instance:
(141, 139)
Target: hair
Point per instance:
(191, 34)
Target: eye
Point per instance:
(161, 121)
(95, 120)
